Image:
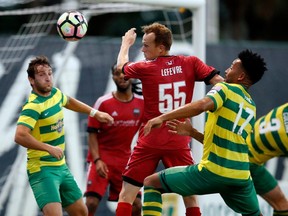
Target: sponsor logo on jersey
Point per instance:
(58, 126)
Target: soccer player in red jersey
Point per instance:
(110, 144)
(167, 83)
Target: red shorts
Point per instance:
(144, 161)
(97, 185)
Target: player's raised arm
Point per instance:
(127, 41)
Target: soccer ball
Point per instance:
(72, 26)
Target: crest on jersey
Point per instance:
(169, 63)
(214, 90)
(136, 112)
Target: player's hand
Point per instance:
(152, 123)
(55, 151)
(102, 169)
(179, 127)
(104, 117)
(185, 129)
(129, 37)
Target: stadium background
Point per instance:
(94, 56)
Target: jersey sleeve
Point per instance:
(130, 69)
(203, 72)
(29, 115)
(218, 95)
(64, 100)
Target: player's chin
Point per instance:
(48, 88)
(123, 85)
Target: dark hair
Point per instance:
(163, 35)
(113, 68)
(136, 88)
(135, 83)
(39, 60)
(253, 64)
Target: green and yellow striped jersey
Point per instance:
(270, 136)
(228, 125)
(44, 116)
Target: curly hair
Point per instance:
(253, 64)
(39, 60)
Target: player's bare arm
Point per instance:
(127, 41)
(78, 106)
(185, 129)
(188, 110)
(25, 139)
(101, 166)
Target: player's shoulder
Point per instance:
(284, 106)
(105, 97)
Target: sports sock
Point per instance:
(123, 209)
(193, 211)
(280, 213)
(152, 204)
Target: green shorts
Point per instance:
(54, 184)
(188, 180)
(263, 180)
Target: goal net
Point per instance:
(82, 71)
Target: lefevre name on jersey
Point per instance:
(171, 71)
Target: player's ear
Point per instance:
(162, 48)
(242, 75)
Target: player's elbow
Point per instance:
(206, 104)
(19, 136)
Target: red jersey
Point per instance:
(115, 139)
(167, 83)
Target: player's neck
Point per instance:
(123, 96)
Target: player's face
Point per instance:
(149, 48)
(233, 73)
(43, 81)
(122, 84)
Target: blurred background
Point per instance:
(237, 20)
(28, 28)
